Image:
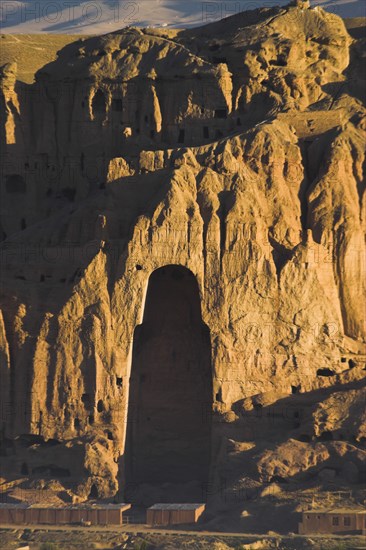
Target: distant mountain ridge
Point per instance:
(88, 17)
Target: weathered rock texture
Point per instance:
(235, 151)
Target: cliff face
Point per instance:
(235, 151)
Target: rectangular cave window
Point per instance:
(68, 193)
(181, 136)
(15, 183)
(117, 105)
(118, 381)
(99, 103)
(335, 520)
(217, 60)
(221, 113)
(347, 521)
(85, 398)
(206, 133)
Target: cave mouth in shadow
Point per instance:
(170, 401)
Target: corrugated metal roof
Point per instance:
(178, 506)
(81, 506)
(336, 511)
(12, 505)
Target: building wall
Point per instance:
(173, 517)
(57, 516)
(324, 523)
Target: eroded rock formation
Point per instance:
(234, 152)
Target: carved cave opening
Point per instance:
(99, 103)
(170, 397)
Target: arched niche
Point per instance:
(168, 436)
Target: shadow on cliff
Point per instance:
(292, 416)
(280, 428)
(124, 201)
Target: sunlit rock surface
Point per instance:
(234, 152)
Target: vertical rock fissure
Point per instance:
(304, 187)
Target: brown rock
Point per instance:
(225, 163)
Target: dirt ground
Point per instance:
(52, 539)
(31, 52)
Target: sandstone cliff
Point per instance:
(235, 150)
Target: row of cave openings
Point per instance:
(100, 108)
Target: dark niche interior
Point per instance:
(170, 399)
